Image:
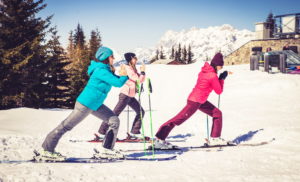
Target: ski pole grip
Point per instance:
(149, 85)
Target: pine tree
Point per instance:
(179, 53)
(57, 94)
(70, 52)
(162, 55)
(79, 62)
(157, 55)
(190, 55)
(176, 57)
(70, 48)
(94, 43)
(271, 25)
(184, 56)
(172, 53)
(22, 53)
(79, 38)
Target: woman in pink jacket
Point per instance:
(207, 81)
(127, 96)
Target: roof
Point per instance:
(293, 14)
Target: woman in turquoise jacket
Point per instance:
(90, 101)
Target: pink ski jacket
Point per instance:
(207, 81)
(129, 87)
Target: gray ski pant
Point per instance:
(125, 100)
(78, 114)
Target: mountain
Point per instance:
(204, 41)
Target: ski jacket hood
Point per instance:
(94, 65)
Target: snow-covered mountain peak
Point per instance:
(203, 41)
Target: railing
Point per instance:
(237, 48)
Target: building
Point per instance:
(281, 26)
(262, 30)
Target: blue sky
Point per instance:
(127, 24)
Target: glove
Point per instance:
(223, 75)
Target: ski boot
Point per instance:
(48, 156)
(217, 141)
(132, 136)
(108, 154)
(164, 145)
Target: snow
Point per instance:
(251, 101)
(204, 41)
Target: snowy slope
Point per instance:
(251, 101)
(204, 41)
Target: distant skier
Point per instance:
(207, 81)
(90, 101)
(127, 96)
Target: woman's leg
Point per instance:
(77, 115)
(214, 112)
(122, 103)
(139, 111)
(182, 116)
(105, 114)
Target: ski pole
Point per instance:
(140, 86)
(207, 127)
(219, 101)
(150, 111)
(207, 115)
(128, 119)
(128, 115)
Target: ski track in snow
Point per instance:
(256, 107)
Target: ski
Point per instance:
(126, 140)
(150, 158)
(237, 145)
(68, 160)
(230, 145)
(93, 160)
(192, 148)
(158, 149)
(131, 141)
(178, 150)
(145, 156)
(88, 160)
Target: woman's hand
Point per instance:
(224, 75)
(122, 71)
(143, 68)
